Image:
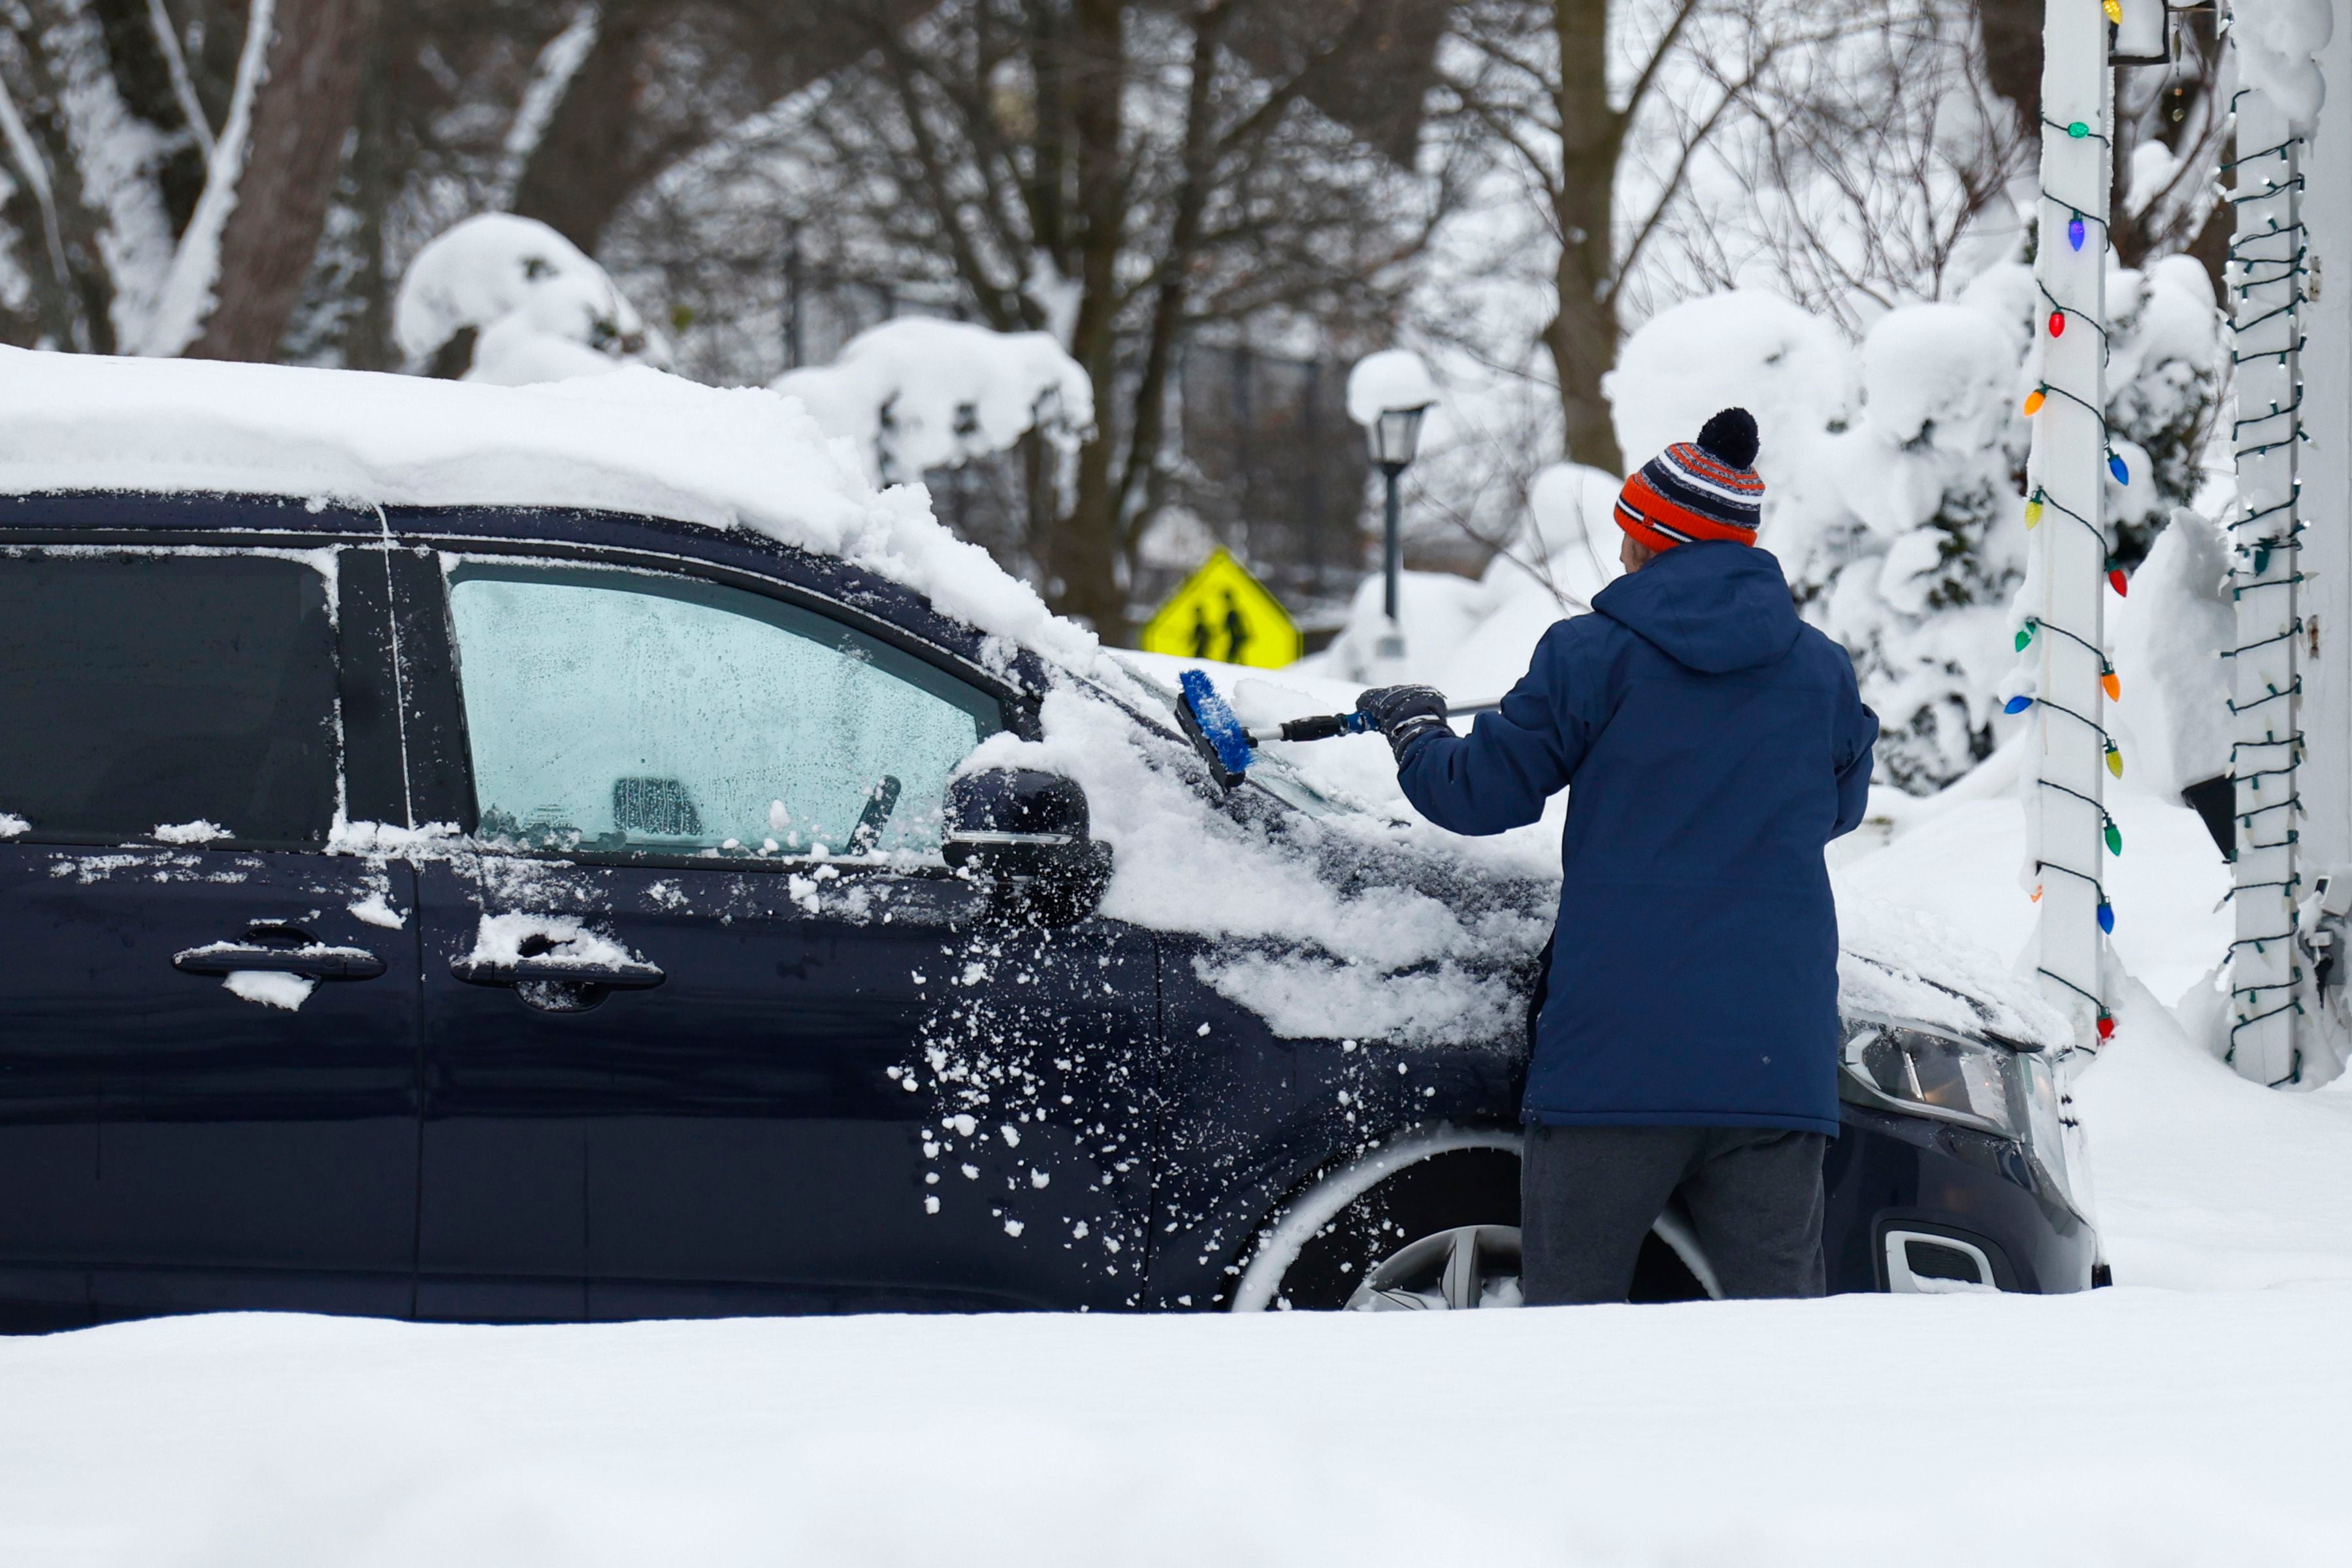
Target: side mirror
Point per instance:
(1027, 835)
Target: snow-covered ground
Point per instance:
(2194, 1415)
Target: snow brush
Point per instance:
(1218, 735)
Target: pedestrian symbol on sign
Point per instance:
(1222, 612)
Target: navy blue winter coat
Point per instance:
(1711, 744)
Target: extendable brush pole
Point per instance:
(1229, 747)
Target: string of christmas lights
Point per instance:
(2077, 221)
(2269, 260)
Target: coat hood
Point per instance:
(1709, 605)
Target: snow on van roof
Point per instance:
(635, 441)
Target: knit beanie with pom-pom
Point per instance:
(1705, 488)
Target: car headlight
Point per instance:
(2008, 1093)
(1934, 1075)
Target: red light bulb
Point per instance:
(2057, 324)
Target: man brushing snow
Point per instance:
(1685, 1029)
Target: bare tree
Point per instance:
(1127, 176)
(1706, 143)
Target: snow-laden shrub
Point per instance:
(1894, 473)
(917, 393)
(2164, 381)
(1914, 570)
(510, 302)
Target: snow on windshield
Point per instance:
(1425, 957)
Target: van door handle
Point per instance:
(316, 960)
(620, 975)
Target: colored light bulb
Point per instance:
(2035, 896)
(2118, 582)
(2017, 705)
(2024, 636)
(2114, 766)
(2115, 10)
(2078, 130)
(2116, 467)
(2074, 231)
(2112, 687)
(2115, 839)
(2106, 917)
(2107, 1026)
(2033, 510)
(2033, 401)
(2262, 559)
(2057, 324)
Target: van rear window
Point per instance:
(178, 696)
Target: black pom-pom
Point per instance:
(1730, 437)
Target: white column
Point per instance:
(2265, 287)
(2067, 588)
(2326, 594)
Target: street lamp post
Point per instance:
(1396, 438)
(1390, 393)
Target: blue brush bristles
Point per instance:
(1217, 721)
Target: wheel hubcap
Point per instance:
(1470, 1266)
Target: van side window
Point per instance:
(625, 711)
(189, 693)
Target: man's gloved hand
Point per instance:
(1405, 714)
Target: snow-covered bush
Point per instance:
(1895, 505)
(1792, 371)
(1913, 569)
(917, 393)
(2164, 365)
(507, 300)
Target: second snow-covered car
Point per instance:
(553, 854)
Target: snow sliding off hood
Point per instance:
(1710, 606)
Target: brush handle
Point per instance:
(1326, 726)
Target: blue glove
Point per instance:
(1405, 714)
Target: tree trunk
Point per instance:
(1582, 334)
(586, 162)
(302, 117)
(1082, 564)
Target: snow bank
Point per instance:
(2116, 1429)
(2167, 638)
(637, 440)
(915, 394)
(541, 309)
(2208, 1182)
(1961, 863)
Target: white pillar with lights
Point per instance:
(2063, 633)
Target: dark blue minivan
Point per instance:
(409, 911)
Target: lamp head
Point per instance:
(1396, 436)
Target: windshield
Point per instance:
(1269, 774)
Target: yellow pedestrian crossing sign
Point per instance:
(1222, 612)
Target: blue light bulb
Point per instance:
(2017, 705)
(2116, 467)
(2106, 917)
(2074, 231)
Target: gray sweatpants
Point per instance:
(1587, 1195)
